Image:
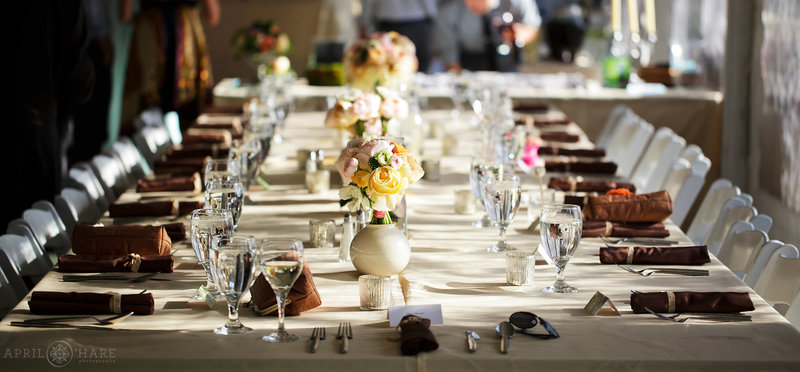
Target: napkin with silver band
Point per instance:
(694, 255)
(89, 263)
(593, 229)
(90, 303)
(691, 302)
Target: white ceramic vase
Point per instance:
(380, 250)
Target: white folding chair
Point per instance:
(47, 227)
(110, 172)
(152, 116)
(627, 144)
(692, 153)
(762, 222)
(770, 248)
(129, 155)
(81, 176)
(616, 116)
(9, 296)
(779, 283)
(793, 313)
(24, 258)
(727, 218)
(741, 248)
(173, 124)
(153, 142)
(75, 207)
(653, 167)
(719, 192)
(683, 183)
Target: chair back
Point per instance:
(653, 167)
(111, 173)
(24, 258)
(616, 117)
(793, 314)
(727, 218)
(719, 192)
(779, 283)
(772, 247)
(683, 185)
(8, 291)
(81, 176)
(741, 248)
(628, 142)
(762, 222)
(692, 153)
(46, 226)
(74, 206)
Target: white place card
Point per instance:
(432, 312)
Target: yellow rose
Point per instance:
(361, 178)
(411, 169)
(385, 181)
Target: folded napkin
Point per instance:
(179, 166)
(121, 240)
(153, 208)
(624, 230)
(652, 207)
(695, 255)
(605, 167)
(532, 107)
(586, 153)
(560, 137)
(541, 122)
(90, 303)
(70, 263)
(416, 335)
(225, 110)
(176, 231)
(691, 302)
(303, 296)
(573, 184)
(199, 150)
(221, 137)
(189, 183)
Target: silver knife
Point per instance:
(652, 241)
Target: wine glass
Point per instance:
(479, 168)
(560, 228)
(225, 194)
(220, 169)
(233, 265)
(281, 262)
(248, 156)
(501, 197)
(207, 223)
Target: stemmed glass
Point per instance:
(281, 262)
(248, 156)
(225, 194)
(233, 264)
(560, 228)
(501, 196)
(220, 169)
(479, 168)
(207, 223)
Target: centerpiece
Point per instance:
(376, 173)
(386, 59)
(367, 113)
(265, 45)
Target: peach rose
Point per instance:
(361, 178)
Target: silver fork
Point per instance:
(642, 272)
(666, 317)
(316, 335)
(644, 241)
(103, 321)
(719, 317)
(650, 271)
(345, 333)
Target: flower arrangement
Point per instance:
(376, 173)
(366, 113)
(262, 42)
(386, 59)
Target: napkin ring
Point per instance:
(115, 302)
(670, 301)
(136, 262)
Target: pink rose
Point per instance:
(396, 162)
(343, 163)
(350, 167)
(531, 156)
(369, 149)
(394, 107)
(373, 126)
(367, 106)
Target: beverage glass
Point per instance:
(207, 223)
(281, 261)
(479, 168)
(248, 156)
(501, 197)
(560, 229)
(225, 194)
(220, 169)
(233, 264)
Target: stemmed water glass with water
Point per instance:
(248, 156)
(220, 169)
(281, 261)
(225, 194)
(233, 265)
(560, 228)
(478, 169)
(501, 196)
(205, 224)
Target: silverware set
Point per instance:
(132, 279)
(56, 322)
(662, 270)
(642, 241)
(719, 317)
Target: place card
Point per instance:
(601, 302)
(203, 293)
(432, 312)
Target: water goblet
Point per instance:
(207, 223)
(478, 169)
(281, 261)
(215, 169)
(225, 194)
(560, 229)
(248, 156)
(501, 197)
(233, 264)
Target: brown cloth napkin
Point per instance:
(90, 303)
(213, 138)
(176, 231)
(694, 255)
(416, 335)
(189, 183)
(70, 263)
(572, 184)
(593, 229)
(691, 302)
(179, 166)
(652, 207)
(303, 295)
(121, 240)
(224, 110)
(532, 107)
(560, 137)
(586, 153)
(199, 150)
(604, 167)
(153, 208)
(542, 122)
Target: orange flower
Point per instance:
(398, 149)
(361, 178)
(619, 191)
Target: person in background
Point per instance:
(91, 120)
(485, 34)
(169, 64)
(48, 75)
(411, 18)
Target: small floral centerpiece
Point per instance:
(387, 59)
(376, 173)
(367, 113)
(263, 42)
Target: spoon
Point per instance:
(505, 331)
(472, 340)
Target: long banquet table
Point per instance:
(449, 266)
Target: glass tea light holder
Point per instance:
(465, 202)
(375, 292)
(318, 182)
(322, 233)
(520, 268)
